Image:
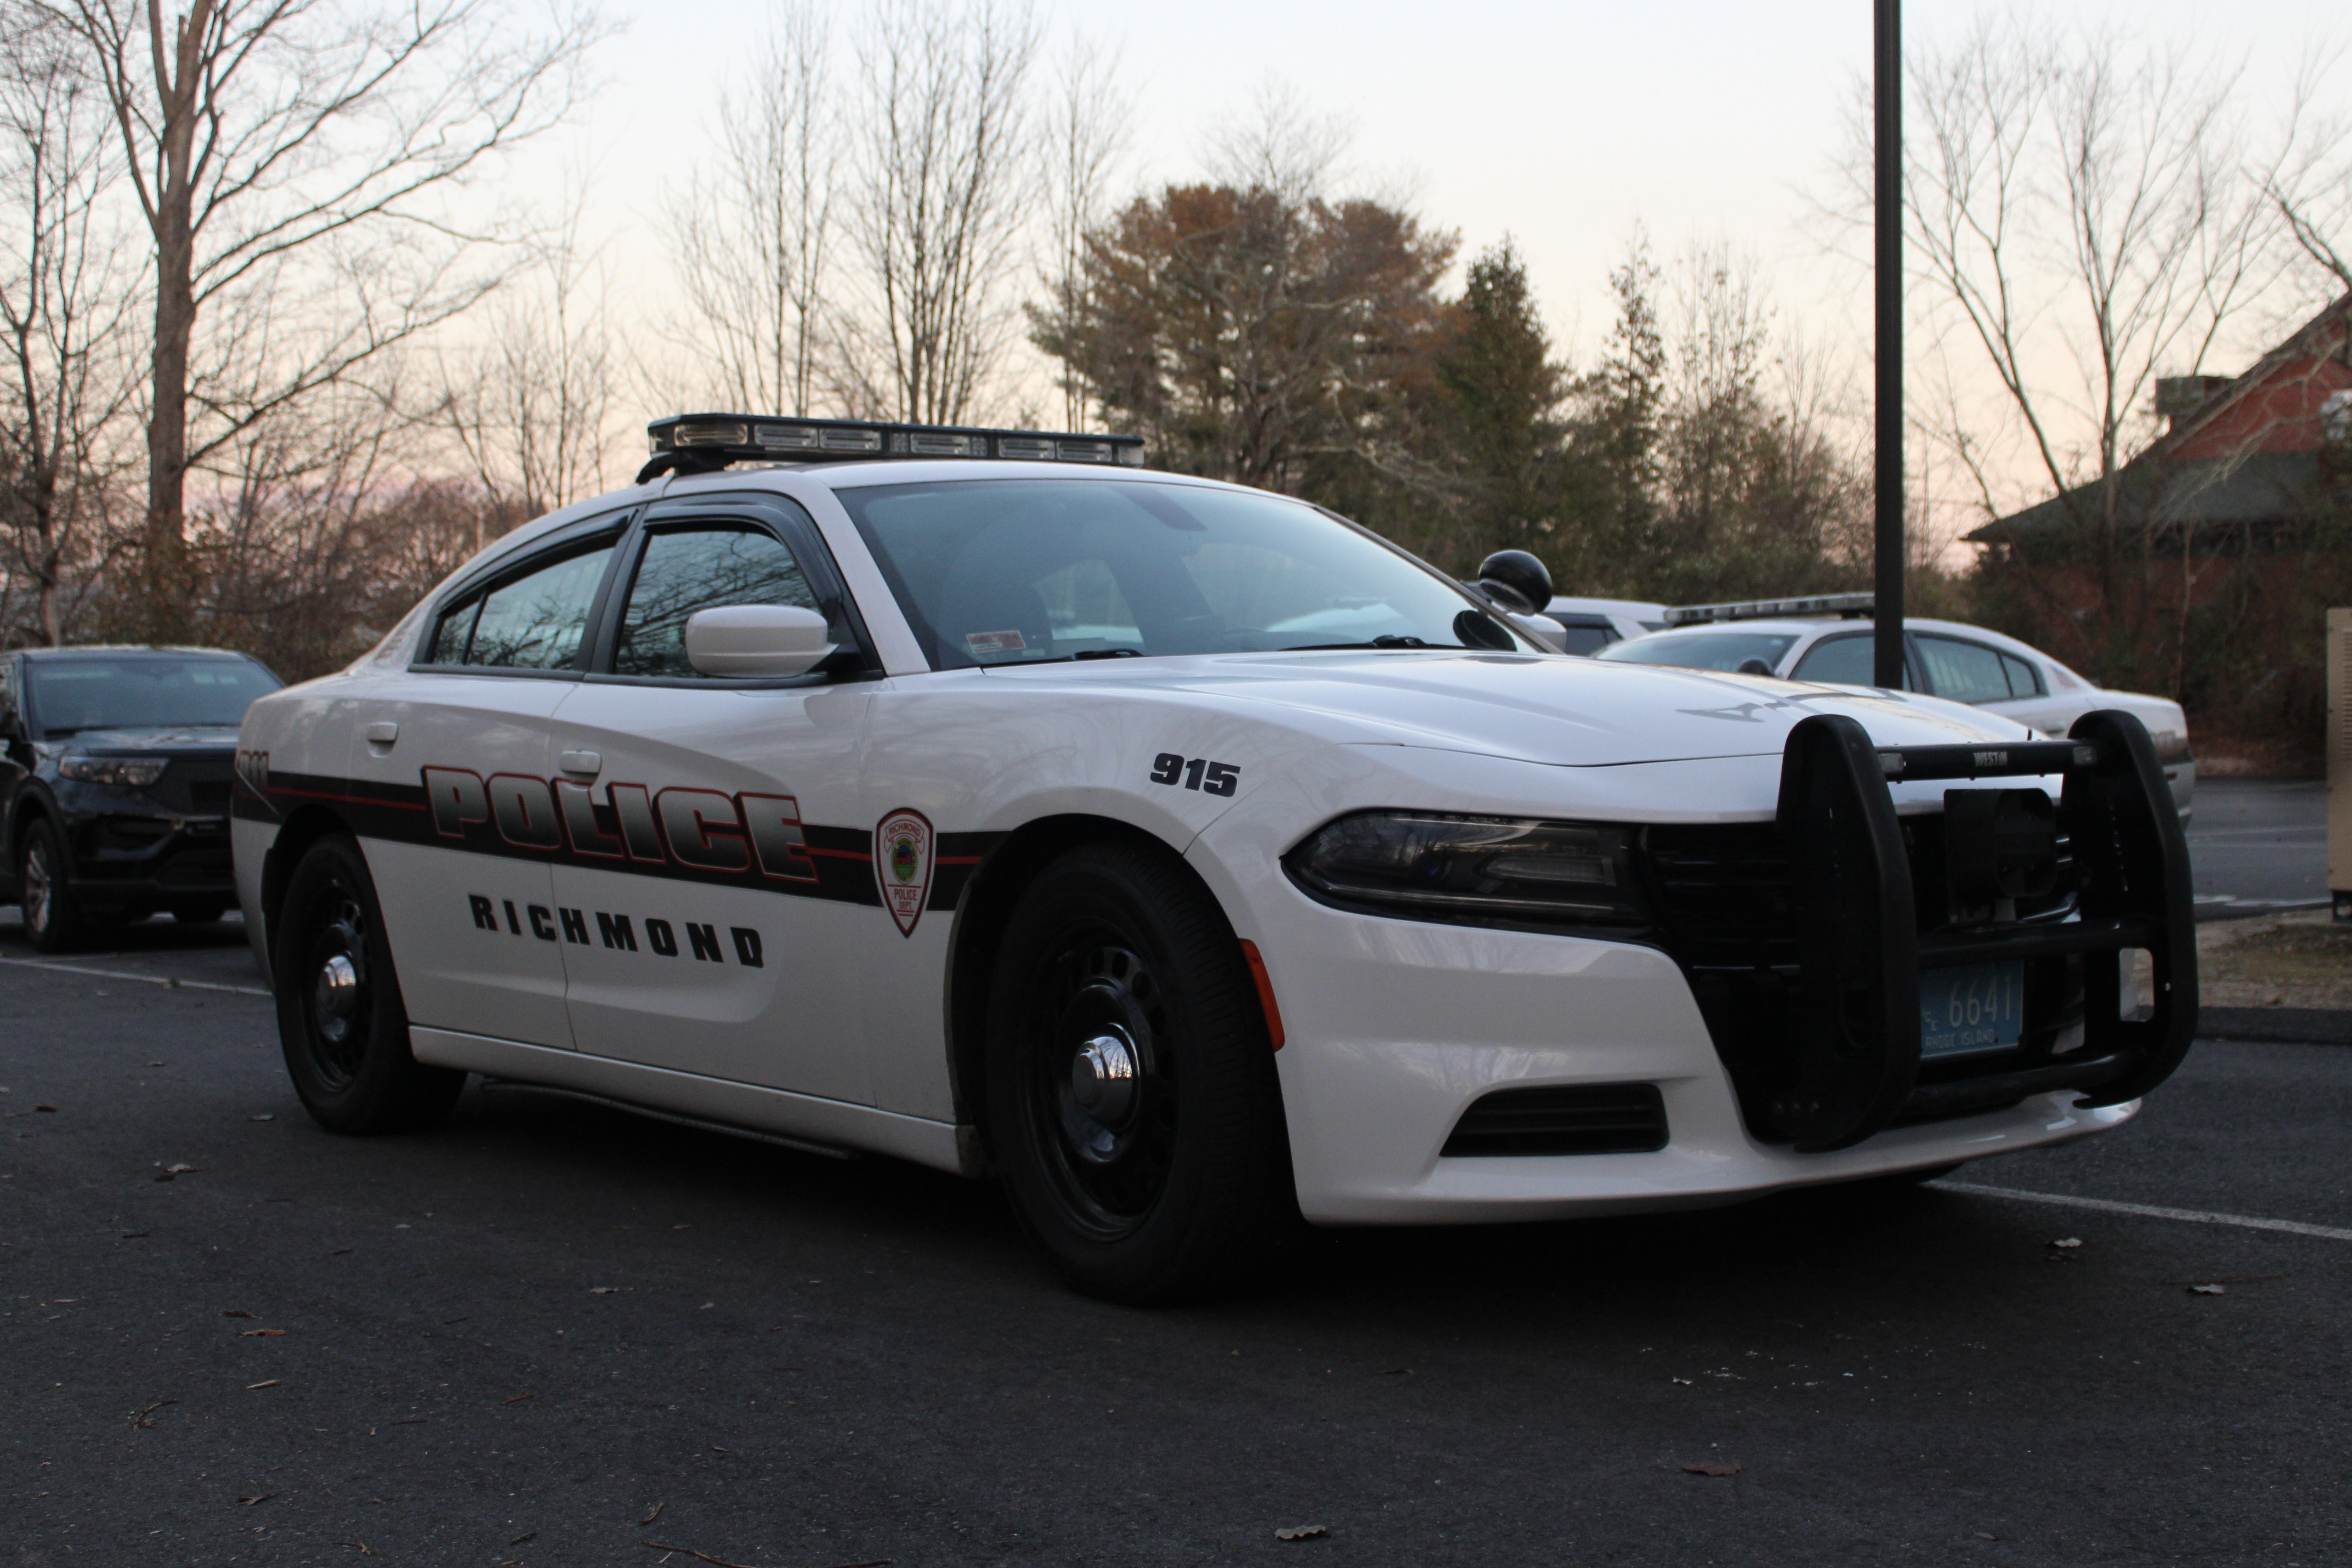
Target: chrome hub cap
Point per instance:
(1102, 1078)
(336, 996)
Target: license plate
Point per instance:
(1964, 1011)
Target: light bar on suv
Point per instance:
(704, 442)
(1761, 609)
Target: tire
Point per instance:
(55, 921)
(1172, 1181)
(340, 1017)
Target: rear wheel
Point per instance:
(1131, 1092)
(340, 1017)
(54, 919)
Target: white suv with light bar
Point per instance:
(1182, 855)
(1827, 637)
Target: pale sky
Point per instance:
(1561, 124)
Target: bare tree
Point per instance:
(1280, 144)
(526, 409)
(69, 290)
(753, 233)
(2086, 213)
(942, 157)
(1088, 126)
(292, 159)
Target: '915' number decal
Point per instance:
(1196, 773)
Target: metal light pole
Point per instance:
(1886, 82)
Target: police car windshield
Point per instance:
(144, 692)
(1000, 571)
(1702, 650)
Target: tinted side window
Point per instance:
(2024, 680)
(1847, 661)
(535, 622)
(687, 570)
(1964, 672)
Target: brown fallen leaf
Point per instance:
(527, 1535)
(655, 1514)
(249, 1502)
(233, 1312)
(51, 1108)
(1712, 1468)
(362, 1546)
(139, 1418)
(261, 1333)
(518, 1399)
(265, 1383)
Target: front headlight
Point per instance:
(1496, 870)
(137, 773)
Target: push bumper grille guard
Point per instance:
(1860, 953)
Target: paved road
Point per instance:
(518, 1339)
(2258, 844)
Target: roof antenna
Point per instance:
(1887, 91)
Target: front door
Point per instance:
(708, 903)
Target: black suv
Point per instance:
(115, 768)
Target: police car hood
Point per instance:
(1564, 711)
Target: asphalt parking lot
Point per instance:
(553, 1334)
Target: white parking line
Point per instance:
(2148, 1210)
(168, 982)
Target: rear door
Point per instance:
(451, 762)
(1969, 671)
(719, 888)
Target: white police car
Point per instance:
(1187, 856)
(1828, 638)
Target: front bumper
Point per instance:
(1397, 1027)
(138, 860)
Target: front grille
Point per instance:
(1729, 911)
(198, 786)
(1563, 1119)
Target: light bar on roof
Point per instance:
(1761, 609)
(749, 437)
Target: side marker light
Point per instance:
(1264, 992)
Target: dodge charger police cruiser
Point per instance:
(1184, 856)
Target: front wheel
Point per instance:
(1132, 1091)
(55, 921)
(340, 1017)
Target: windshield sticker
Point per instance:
(902, 865)
(984, 644)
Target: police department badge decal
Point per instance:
(902, 865)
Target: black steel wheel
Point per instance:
(341, 1021)
(1132, 1099)
(55, 921)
